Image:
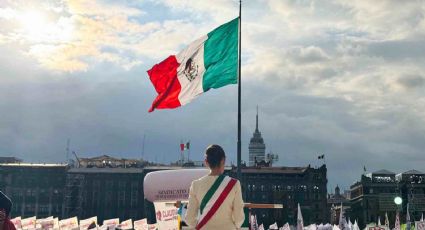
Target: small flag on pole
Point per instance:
(342, 221)
(397, 221)
(185, 146)
(387, 221)
(407, 218)
(300, 221)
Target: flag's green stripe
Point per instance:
(221, 56)
(211, 192)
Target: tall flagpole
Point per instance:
(239, 96)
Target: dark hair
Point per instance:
(214, 154)
(5, 203)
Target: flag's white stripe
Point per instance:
(191, 88)
(217, 193)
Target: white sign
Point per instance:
(166, 216)
(28, 223)
(141, 224)
(170, 185)
(84, 224)
(420, 225)
(68, 224)
(152, 227)
(17, 222)
(111, 223)
(128, 224)
(47, 224)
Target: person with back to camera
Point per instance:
(215, 200)
(5, 207)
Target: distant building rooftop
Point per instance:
(283, 170)
(384, 172)
(106, 161)
(32, 165)
(10, 160)
(105, 170)
(413, 172)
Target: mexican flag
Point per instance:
(208, 62)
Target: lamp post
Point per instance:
(398, 201)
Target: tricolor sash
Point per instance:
(214, 198)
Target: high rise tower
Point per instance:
(257, 148)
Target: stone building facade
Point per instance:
(287, 186)
(35, 189)
(374, 194)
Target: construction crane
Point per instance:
(76, 157)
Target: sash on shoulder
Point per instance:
(214, 198)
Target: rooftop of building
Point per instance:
(106, 170)
(384, 172)
(386, 176)
(10, 160)
(105, 157)
(277, 170)
(337, 197)
(413, 172)
(47, 165)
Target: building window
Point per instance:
(96, 184)
(108, 198)
(121, 198)
(109, 184)
(122, 184)
(134, 198)
(43, 208)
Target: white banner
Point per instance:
(84, 224)
(111, 223)
(103, 227)
(28, 223)
(128, 224)
(141, 224)
(68, 224)
(152, 227)
(47, 224)
(166, 216)
(420, 225)
(17, 222)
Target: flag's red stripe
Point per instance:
(217, 204)
(164, 78)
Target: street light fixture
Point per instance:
(398, 200)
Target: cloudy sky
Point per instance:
(340, 78)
